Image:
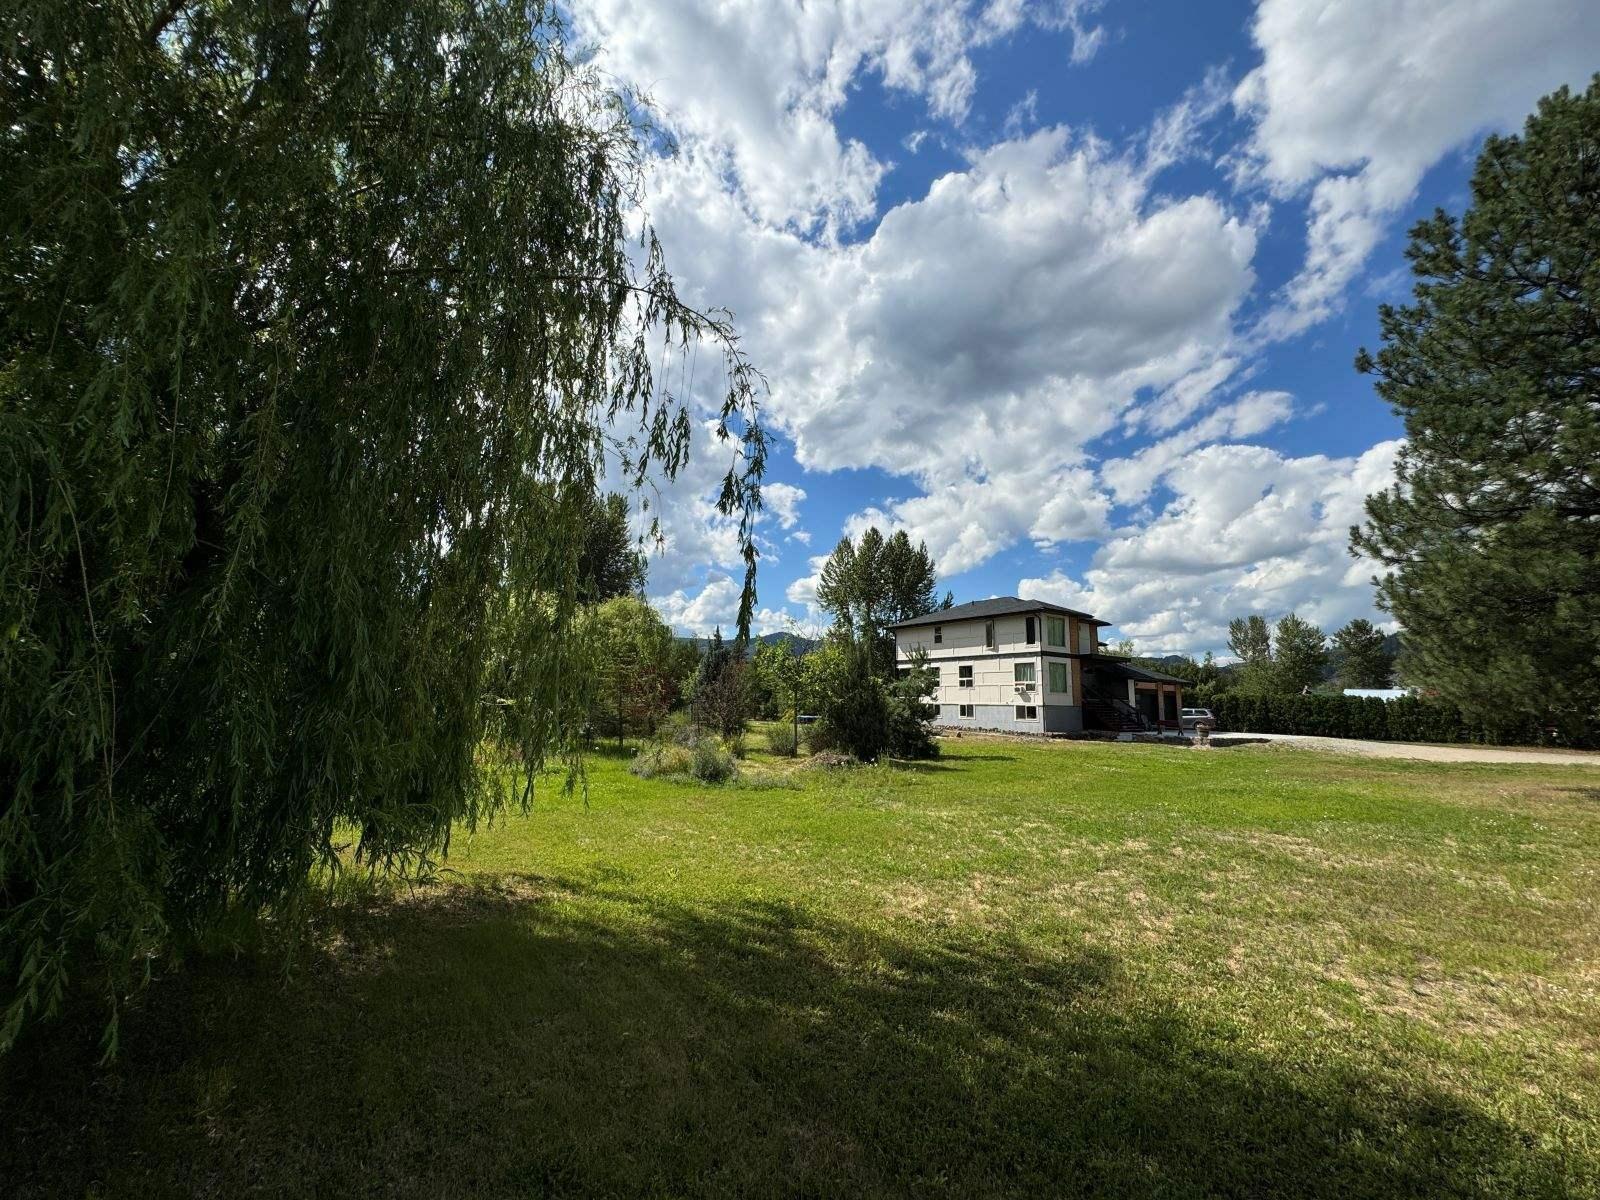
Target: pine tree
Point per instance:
(1362, 657)
(316, 324)
(1491, 535)
(609, 563)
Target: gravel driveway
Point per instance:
(1479, 754)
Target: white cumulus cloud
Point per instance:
(1356, 99)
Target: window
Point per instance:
(938, 634)
(964, 676)
(935, 671)
(1033, 630)
(1027, 712)
(1022, 672)
(1060, 677)
(966, 711)
(1055, 631)
(988, 634)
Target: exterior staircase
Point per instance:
(1100, 712)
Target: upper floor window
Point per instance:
(1055, 631)
(1033, 630)
(964, 676)
(988, 634)
(938, 634)
(1059, 677)
(1022, 672)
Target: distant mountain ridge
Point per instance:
(804, 645)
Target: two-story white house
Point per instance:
(1033, 667)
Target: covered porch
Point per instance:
(1123, 698)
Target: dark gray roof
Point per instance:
(1128, 671)
(998, 606)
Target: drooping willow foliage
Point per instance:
(317, 320)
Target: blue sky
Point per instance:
(1070, 289)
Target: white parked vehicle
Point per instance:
(1191, 717)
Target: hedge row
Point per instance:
(1405, 720)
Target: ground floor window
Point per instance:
(1059, 677)
(1022, 672)
(1027, 712)
(964, 677)
(965, 710)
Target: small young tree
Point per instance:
(630, 651)
(721, 701)
(911, 712)
(771, 677)
(855, 702)
(1361, 657)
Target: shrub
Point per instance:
(858, 716)
(1407, 719)
(781, 740)
(910, 715)
(712, 763)
(677, 730)
(668, 760)
(820, 737)
(706, 760)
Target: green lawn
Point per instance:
(1058, 969)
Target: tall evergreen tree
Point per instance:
(870, 585)
(1362, 657)
(316, 322)
(1300, 652)
(609, 562)
(1490, 537)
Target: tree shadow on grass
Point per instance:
(947, 762)
(547, 1037)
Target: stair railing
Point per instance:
(1121, 707)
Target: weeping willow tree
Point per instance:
(319, 319)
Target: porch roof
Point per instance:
(1125, 669)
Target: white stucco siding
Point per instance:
(994, 669)
(964, 639)
(993, 682)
